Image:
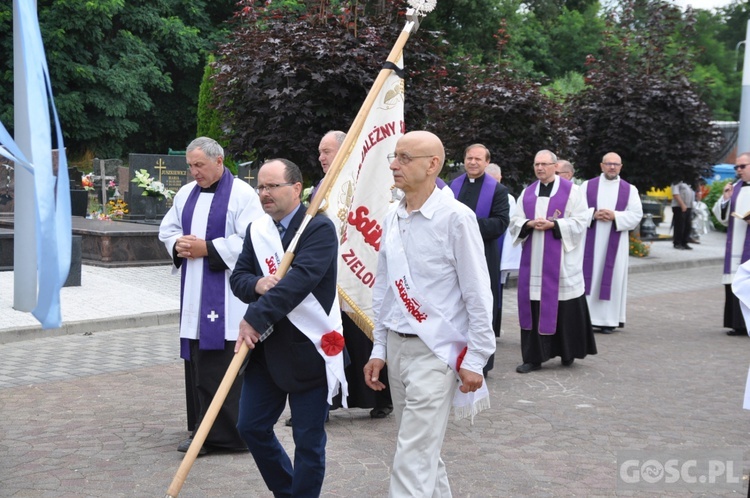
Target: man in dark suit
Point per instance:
(290, 361)
(489, 200)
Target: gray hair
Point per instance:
(493, 168)
(340, 136)
(552, 154)
(566, 165)
(209, 146)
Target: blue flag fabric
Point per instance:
(52, 193)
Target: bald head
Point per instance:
(611, 165)
(419, 157)
(564, 169)
(494, 171)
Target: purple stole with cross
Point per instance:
(623, 195)
(486, 193)
(551, 261)
(212, 331)
(730, 233)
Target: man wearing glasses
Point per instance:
(293, 327)
(203, 231)
(732, 212)
(565, 169)
(617, 210)
(489, 201)
(432, 316)
(550, 221)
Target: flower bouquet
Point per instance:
(87, 182)
(150, 186)
(116, 209)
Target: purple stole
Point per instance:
(440, 183)
(623, 195)
(551, 261)
(486, 193)
(212, 331)
(730, 233)
(314, 191)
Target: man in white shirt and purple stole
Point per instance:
(204, 231)
(433, 316)
(735, 201)
(617, 210)
(550, 221)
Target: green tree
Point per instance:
(287, 77)
(125, 74)
(640, 103)
(509, 116)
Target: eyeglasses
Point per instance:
(403, 158)
(612, 165)
(544, 165)
(740, 166)
(272, 186)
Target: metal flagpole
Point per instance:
(24, 209)
(419, 8)
(743, 136)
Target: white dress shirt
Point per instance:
(445, 254)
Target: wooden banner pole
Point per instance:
(234, 367)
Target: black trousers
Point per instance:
(203, 374)
(681, 222)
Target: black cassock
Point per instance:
(491, 228)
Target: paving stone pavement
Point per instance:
(101, 414)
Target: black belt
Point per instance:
(404, 335)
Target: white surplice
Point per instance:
(739, 228)
(612, 313)
(572, 228)
(244, 207)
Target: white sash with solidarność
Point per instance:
(309, 316)
(428, 323)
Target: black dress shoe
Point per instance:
(567, 363)
(606, 330)
(184, 446)
(528, 367)
(381, 412)
(737, 332)
(687, 247)
(679, 247)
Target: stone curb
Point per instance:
(153, 319)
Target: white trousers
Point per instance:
(422, 389)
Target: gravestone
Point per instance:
(247, 173)
(171, 170)
(6, 186)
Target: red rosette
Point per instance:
(332, 343)
(460, 358)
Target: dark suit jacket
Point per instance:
(288, 355)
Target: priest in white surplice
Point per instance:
(735, 200)
(204, 231)
(550, 220)
(617, 209)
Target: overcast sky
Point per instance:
(703, 4)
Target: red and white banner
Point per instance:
(360, 197)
